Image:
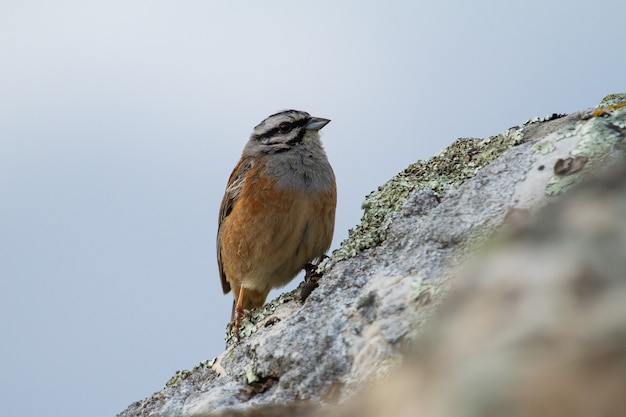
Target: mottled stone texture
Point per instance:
(421, 233)
(534, 326)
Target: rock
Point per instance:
(535, 326)
(383, 284)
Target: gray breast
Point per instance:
(304, 167)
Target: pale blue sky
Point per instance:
(120, 123)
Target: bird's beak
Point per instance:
(316, 123)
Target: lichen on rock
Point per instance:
(444, 171)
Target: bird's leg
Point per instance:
(239, 312)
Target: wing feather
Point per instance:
(233, 189)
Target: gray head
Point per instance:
(283, 131)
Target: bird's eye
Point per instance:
(284, 127)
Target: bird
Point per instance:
(277, 215)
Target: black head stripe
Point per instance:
(298, 137)
(267, 134)
(296, 124)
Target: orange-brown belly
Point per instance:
(271, 235)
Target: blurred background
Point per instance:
(120, 123)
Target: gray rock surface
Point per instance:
(533, 326)
(379, 288)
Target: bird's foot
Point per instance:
(310, 270)
(240, 313)
(311, 278)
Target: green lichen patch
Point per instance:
(613, 100)
(250, 373)
(544, 147)
(567, 131)
(607, 105)
(601, 135)
(606, 111)
(248, 325)
(444, 171)
(181, 375)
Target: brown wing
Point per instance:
(233, 189)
